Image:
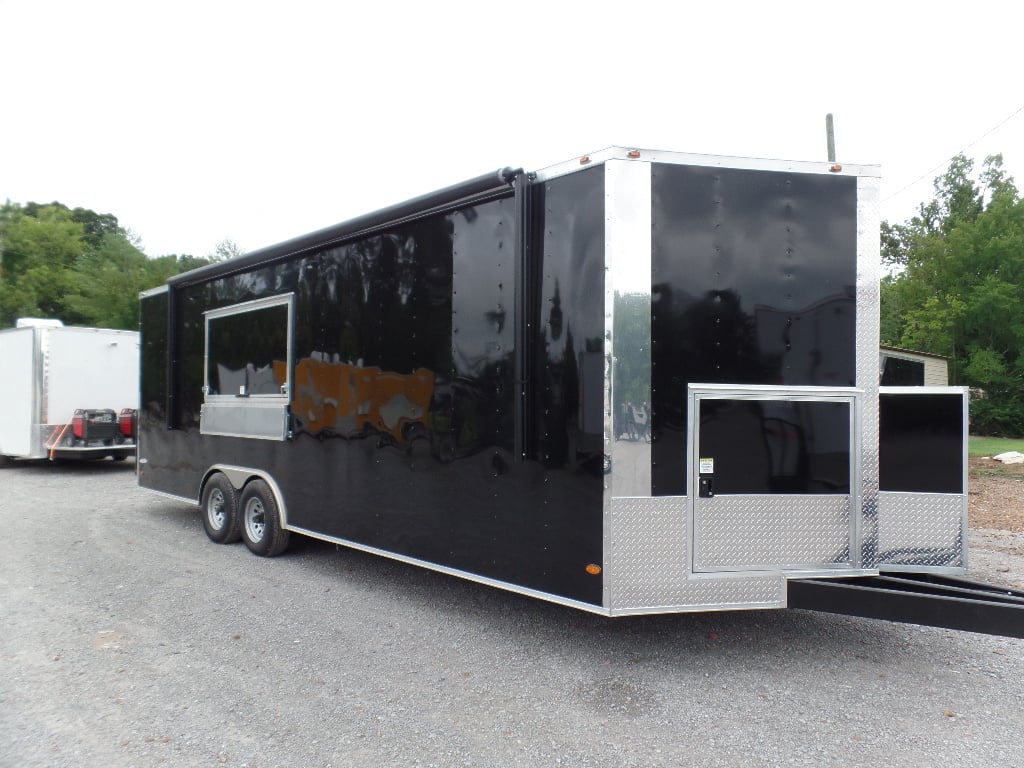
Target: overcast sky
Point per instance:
(193, 122)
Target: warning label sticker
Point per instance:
(707, 466)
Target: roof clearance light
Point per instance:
(585, 159)
(634, 153)
(836, 168)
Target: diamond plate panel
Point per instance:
(922, 529)
(649, 564)
(648, 549)
(868, 275)
(712, 594)
(744, 532)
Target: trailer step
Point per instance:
(914, 598)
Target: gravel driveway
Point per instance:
(128, 639)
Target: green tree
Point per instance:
(957, 198)
(957, 288)
(226, 249)
(161, 268)
(36, 255)
(94, 225)
(107, 281)
(75, 265)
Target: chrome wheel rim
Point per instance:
(215, 509)
(255, 520)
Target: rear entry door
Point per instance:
(774, 478)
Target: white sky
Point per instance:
(193, 122)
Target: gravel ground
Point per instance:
(129, 639)
(996, 517)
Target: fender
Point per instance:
(240, 476)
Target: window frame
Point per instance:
(285, 299)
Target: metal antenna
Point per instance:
(831, 134)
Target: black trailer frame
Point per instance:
(635, 382)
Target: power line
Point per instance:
(926, 174)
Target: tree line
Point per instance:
(953, 286)
(78, 266)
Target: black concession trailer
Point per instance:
(635, 382)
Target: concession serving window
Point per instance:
(247, 369)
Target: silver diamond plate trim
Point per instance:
(649, 564)
(868, 276)
(649, 561)
(745, 532)
(713, 594)
(922, 529)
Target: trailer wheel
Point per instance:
(261, 521)
(220, 510)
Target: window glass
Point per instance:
(776, 446)
(247, 352)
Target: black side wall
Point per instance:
(434, 298)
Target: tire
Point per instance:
(261, 520)
(220, 510)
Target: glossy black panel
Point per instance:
(482, 390)
(776, 446)
(569, 348)
(404, 404)
(753, 280)
(565, 329)
(900, 372)
(153, 365)
(921, 442)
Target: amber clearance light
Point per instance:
(593, 569)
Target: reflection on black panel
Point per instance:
(776, 446)
(921, 442)
(568, 364)
(244, 349)
(754, 277)
(480, 398)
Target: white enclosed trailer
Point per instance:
(67, 392)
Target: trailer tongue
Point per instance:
(926, 599)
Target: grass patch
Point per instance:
(992, 446)
(990, 472)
